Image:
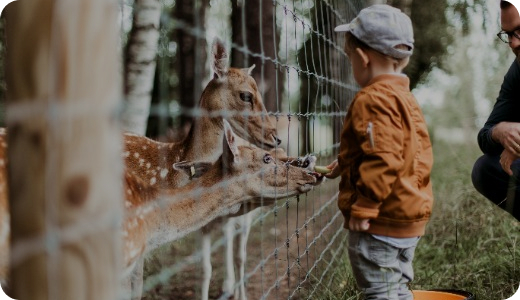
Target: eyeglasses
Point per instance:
(506, 36)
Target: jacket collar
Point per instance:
(392, 79)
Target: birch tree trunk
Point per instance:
(140, 63)
(64, 163)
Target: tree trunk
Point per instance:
(261, 36)
(188, 65)
(191, 56)
(64, 164)
(140, 63)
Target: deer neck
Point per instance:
(204, 140)
(189, 208)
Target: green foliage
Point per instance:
(463, 9)
(432, 34)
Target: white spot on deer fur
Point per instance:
(153, 180)
(128, 204)
(148, 165)
(136, 154)
(144, 147)
(126, 154)
(141, 162)
(2, 163)
(164, 172)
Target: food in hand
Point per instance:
(322, 169)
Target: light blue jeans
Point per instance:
(382, 271)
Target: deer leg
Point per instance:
(247, 219)
(206, 265)
(229, 281)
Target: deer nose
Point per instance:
(277, 140)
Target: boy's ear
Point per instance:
(365, 59)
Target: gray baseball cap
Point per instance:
(382, 27)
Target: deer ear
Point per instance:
(193, 169)
(220, 58)
(230, 152)
(250, 70)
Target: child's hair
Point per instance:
(352, 42)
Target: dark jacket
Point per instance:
(507, 108)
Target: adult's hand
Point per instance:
(506, 159)
(508, 134)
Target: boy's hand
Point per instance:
(356, 224)
(335, 170)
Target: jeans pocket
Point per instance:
(382, 253)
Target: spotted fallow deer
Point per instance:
(154, 216)
(232, 93)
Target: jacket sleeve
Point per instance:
(506, 108)
(382, 152)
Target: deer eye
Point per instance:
(246, 96)
(268, 158)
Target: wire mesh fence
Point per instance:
(293, 243)
(286, 248)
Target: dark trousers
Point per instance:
(495, 184)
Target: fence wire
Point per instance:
(295, 242)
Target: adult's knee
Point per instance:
(489, 179)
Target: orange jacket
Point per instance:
(385, 160)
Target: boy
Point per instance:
(385, 156)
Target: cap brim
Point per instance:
(342, 28)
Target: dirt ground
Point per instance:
(285, 243)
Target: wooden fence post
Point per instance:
(64, 164)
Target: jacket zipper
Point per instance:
(370, 133)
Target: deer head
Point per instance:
(254, 173)
(235, 91)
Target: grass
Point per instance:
(470, 244)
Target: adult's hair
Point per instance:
(504, 4)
